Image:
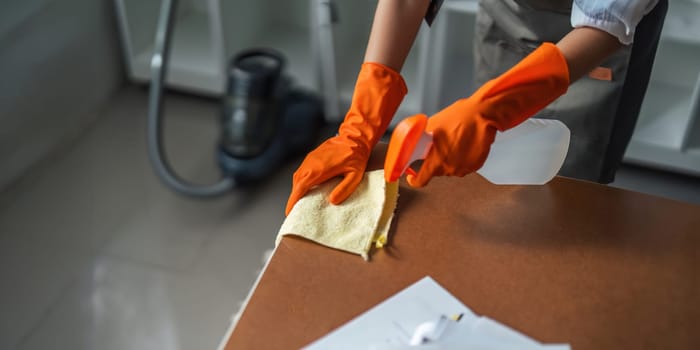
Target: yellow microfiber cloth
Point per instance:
(362, 219)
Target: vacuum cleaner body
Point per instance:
(265, 119)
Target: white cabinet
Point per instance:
(207, 33)
(667, 135)
(449, 72)
(197, 49)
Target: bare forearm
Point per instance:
(395, 26)
(585, 48)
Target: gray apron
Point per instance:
(601, 114)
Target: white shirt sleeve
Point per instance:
(617, 17)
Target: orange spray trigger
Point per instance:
(409, 142)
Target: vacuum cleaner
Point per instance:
(265, 120)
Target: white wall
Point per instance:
(59, 63)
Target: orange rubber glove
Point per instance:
(378, 93)
(464, 131)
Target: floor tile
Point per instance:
(117, 304)
(100, 198)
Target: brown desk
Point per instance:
(571, 261)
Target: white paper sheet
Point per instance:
(392, 323)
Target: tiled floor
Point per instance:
(96, 254)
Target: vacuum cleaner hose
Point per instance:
(156, 149)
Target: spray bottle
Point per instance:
(529, 154)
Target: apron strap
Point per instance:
(646, 41)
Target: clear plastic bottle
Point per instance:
(529, 154)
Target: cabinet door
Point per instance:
(667, 135)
